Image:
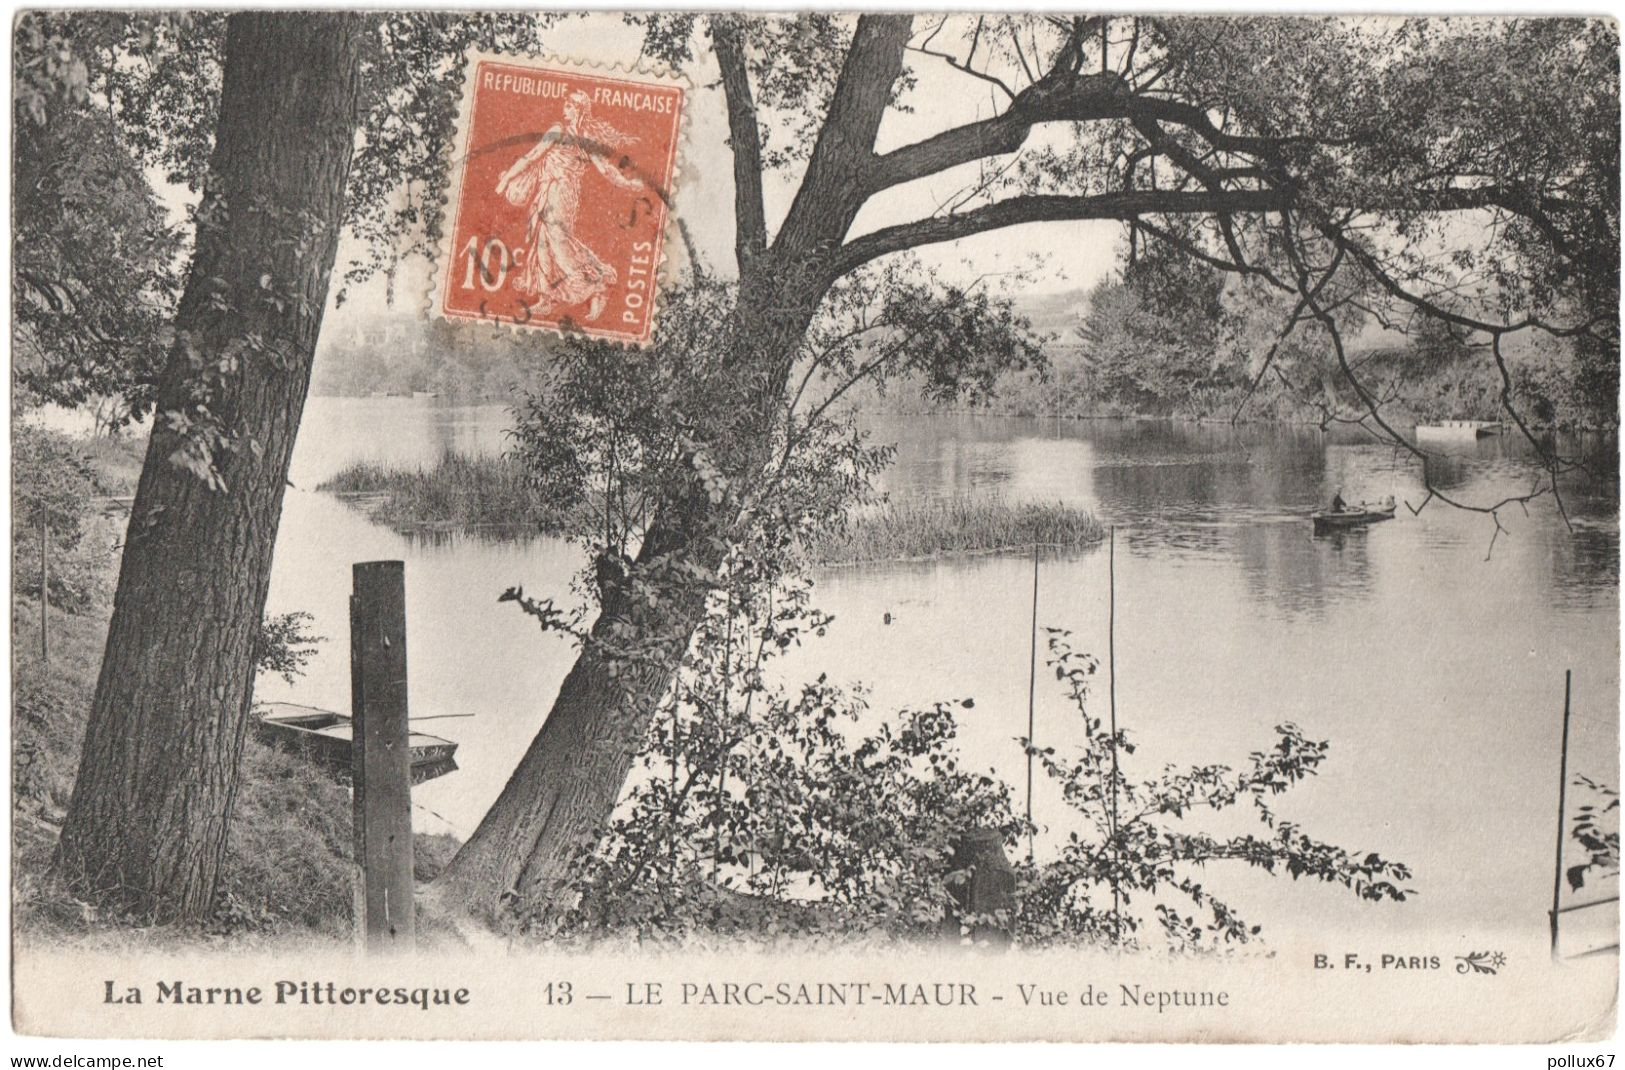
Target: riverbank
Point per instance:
(1549, 400)
(489, 495)
(287, 868)
(1224, 417)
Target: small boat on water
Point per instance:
(1459, 429)
(1356, 516)
(326, 738)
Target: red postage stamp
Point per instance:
(561, 186)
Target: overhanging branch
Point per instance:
(1129, 205)
(1037, 208)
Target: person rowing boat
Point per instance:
(1341, 506)
(1342, 515)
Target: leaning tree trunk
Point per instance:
(570, 778)
(146, 830)
(572, 773)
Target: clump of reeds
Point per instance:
(459, 491)
(916, 528)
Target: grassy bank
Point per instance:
(918, 528)
(459, 492)
(287, 871)
(490, 494)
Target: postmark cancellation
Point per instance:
(559, 193)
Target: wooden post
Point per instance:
(1111, 659)
(44, 592)
(381, 755)
(1562, 800)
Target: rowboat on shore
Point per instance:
(326, 738)
(1357, 516)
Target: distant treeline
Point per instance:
(1549, 392)
(398, 355)
(1168, 338)
(1163, 338)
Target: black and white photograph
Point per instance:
(815, 526)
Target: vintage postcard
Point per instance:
(918, 527)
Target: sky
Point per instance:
(1076, 255)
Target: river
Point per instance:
(1432, 660)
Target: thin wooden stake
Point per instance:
(1111, 659)
(1032, 693)
(722, 737)
(1562, 799)
(44, 593)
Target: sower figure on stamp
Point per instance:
(557, 267)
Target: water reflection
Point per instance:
(461, 540)
(1286, 568)
(1243, 493)
(336, 432)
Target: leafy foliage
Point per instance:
(764, 813)
(94, 275)
(52, 487)
(52, 483)
(285, 646)
(1595, 827)
(614, 433)
(1133, 853)
(611, 436)
(794, 61)
(1152, 339)
(159, 76)
(893, 321)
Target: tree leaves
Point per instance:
(1130, 850)
(1595, 827)
(94, 274)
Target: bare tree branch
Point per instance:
(1127, 205)
(963, 66)
(1064, 95)
(1373, 408)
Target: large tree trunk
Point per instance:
(146, 829)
